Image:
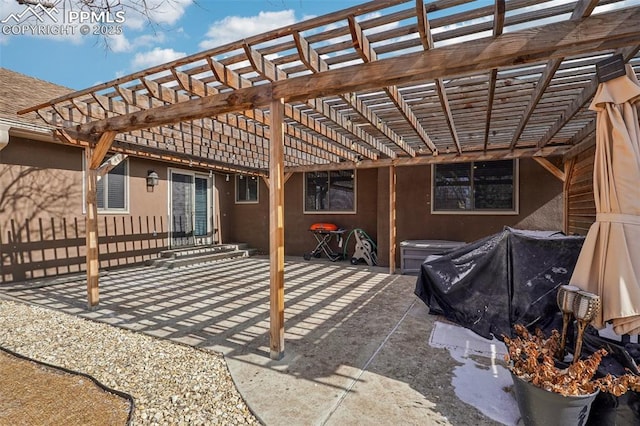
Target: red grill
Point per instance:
(324, 233)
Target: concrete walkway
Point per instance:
(356, 339)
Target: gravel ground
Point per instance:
(170, 383)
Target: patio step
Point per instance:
(192, 255)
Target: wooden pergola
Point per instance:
(387, 83)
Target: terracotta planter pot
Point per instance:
(539, 407)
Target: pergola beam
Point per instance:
(587, 131)
(367, 53)
(560, 39)
(110, 164)
(498, 28)
(69, 138)
(255, 135)
(550, 167)
(101, 149)
(231, 78)
(249, 145)
(581, 141)
(583, 8)
(465, 157)
(578, 149)
(541, 86)
(584, 97)
(270, 71)
(581, 11)
(207, 139)
(426, 38)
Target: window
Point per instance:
(329, 192)
(112, 190)
(482, 186)
(246, 189)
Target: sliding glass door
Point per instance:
(190, 209)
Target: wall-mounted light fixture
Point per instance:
(152, 180)
(227, 178)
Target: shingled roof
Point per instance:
(19, 91)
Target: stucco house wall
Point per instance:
(540, 208)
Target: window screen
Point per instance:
(246, 189)
(112, 188)
(477, 186)
(332, 191)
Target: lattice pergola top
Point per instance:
(386, 82)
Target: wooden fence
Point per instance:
(579, 201)
(47, 247)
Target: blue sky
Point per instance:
(182, 27)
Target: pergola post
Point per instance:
(91, 226)
(392, 219)
(93, 158)
(276, 229)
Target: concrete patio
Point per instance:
(357, 339)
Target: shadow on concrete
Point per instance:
(356, 339)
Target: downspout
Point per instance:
(4, 136)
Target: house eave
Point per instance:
(17, 128)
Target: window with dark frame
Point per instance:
(246, 189)
(475, 187)
(332, 191)
(112, 188)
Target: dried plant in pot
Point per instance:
(553, 394)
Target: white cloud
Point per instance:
(118, 43)
(233, 28)
(156, 56)
(160, 12)
(147, 40)
(168, 12)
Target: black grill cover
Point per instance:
(507, 278)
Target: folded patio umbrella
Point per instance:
(609, 262)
